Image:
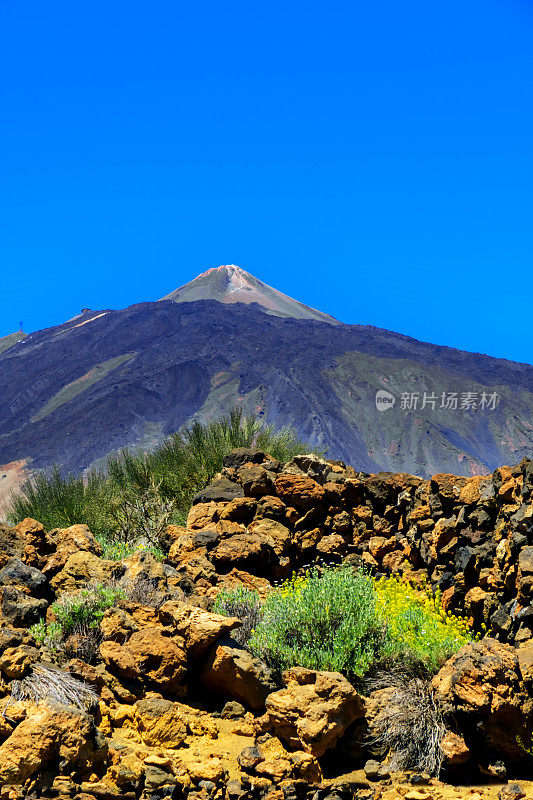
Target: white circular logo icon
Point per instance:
(384, 400)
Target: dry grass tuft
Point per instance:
(83, 642)
(142, 590)
(410, 728)
(53, 685)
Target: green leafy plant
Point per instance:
(321, 621)
(75, 631)
(50, 635)
(130, 500)
(525, 749)
(344, 620)
(85, 607)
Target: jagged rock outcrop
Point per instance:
(482, 689)
(471, 537)
(313, 711)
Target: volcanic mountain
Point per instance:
(231, 284)
(379, 400)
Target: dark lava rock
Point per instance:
(9, 638)
(218, 491)
(233, 710)
(243, 455)
(235, 790)
(249, 758)
(16, 572)
(206, 538)
(20, 610)
(525, 560)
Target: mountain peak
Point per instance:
(232, 284)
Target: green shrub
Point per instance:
(128, 503)
(60, 501)
(50, 635)
(325, 621)
(75, 631)
(85, 607)
(344, 620)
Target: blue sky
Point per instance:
(374, 160)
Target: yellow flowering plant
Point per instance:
(345, 620)
(417, 623)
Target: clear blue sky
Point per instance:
(372, 159)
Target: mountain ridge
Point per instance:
(76, 392)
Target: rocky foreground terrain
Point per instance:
(169, 704)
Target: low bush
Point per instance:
(128, 503)
(114, 548)
(82, 642)
(344, 620)
(75, 631)
(244, 604)
(417, 625)
(50, 635)
(85, 607)
(143, 590)
(322, 621)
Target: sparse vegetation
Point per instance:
(379, 633)
(49, 684)
(142, 590)
(85, 607)
(75, 631)
(409, 726)
(129, 502)
(244, 604)
(344, 620)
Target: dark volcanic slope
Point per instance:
(72, 394)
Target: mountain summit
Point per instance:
(231, 284)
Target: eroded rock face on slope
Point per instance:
(166, 666)
(482, 686)
(313, 711)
